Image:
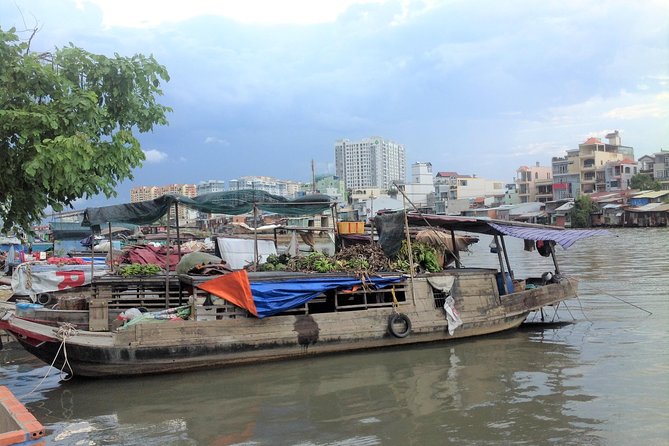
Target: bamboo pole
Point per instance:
(411, 265)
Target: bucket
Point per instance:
(509, 283)
(351, 227)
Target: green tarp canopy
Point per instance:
(229, 203)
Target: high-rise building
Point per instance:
(370, 162)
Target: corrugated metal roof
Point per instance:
(651, 207)
(565, 207)
(653, 194)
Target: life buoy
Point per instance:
(399, 325)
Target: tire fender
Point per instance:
(395, 322)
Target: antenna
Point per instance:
(313, 177)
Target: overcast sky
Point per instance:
(477, 87)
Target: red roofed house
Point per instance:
(584, 171)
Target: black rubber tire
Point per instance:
(399, 318)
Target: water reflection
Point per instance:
(601, 380)
(464, 392)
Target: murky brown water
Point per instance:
(601, 379)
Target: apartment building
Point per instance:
(370, 162)
(618, 174)
(534, 183)
(583, 171)
(455, 192)
(143, 193)
(210, 186)
(661, 169)
(274, 186)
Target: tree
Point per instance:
(581, 212)
(642, 181)
(67, 123)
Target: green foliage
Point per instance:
(642, 181)
(137, 269)
(580, 213)
(315, 261)
(66, 125)
(424, 258)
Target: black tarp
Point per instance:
(229, 203)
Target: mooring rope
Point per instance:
(615, 297)
(65, 330)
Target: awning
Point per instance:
(564, 238)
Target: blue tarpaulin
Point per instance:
(274, 297)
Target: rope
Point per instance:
(396, 304)
(65, 331)
(615, 297)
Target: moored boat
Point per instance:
(244, 317)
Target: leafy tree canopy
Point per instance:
(67, 123)
(581, 212)
(642, 181)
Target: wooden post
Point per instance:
(111, 246)
(255, 236)
(506, 257)
(555, 262)
(456, 252)
(176, 220)
(167, 263)
(93, 256)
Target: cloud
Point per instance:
(658, 107)
(215, 140)
(154, 156)
(153, 13)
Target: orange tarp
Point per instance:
(233, 287)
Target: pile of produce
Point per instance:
(138, 269)
(357, 259)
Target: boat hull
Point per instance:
(177, 346)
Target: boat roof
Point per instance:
(229, 203)
(527, 231)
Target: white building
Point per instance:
(284, 188)
(210, 186)
(370, 162)
(420, 191)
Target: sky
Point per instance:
(265, 87)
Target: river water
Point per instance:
(599, 378)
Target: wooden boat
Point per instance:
(325, 313)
